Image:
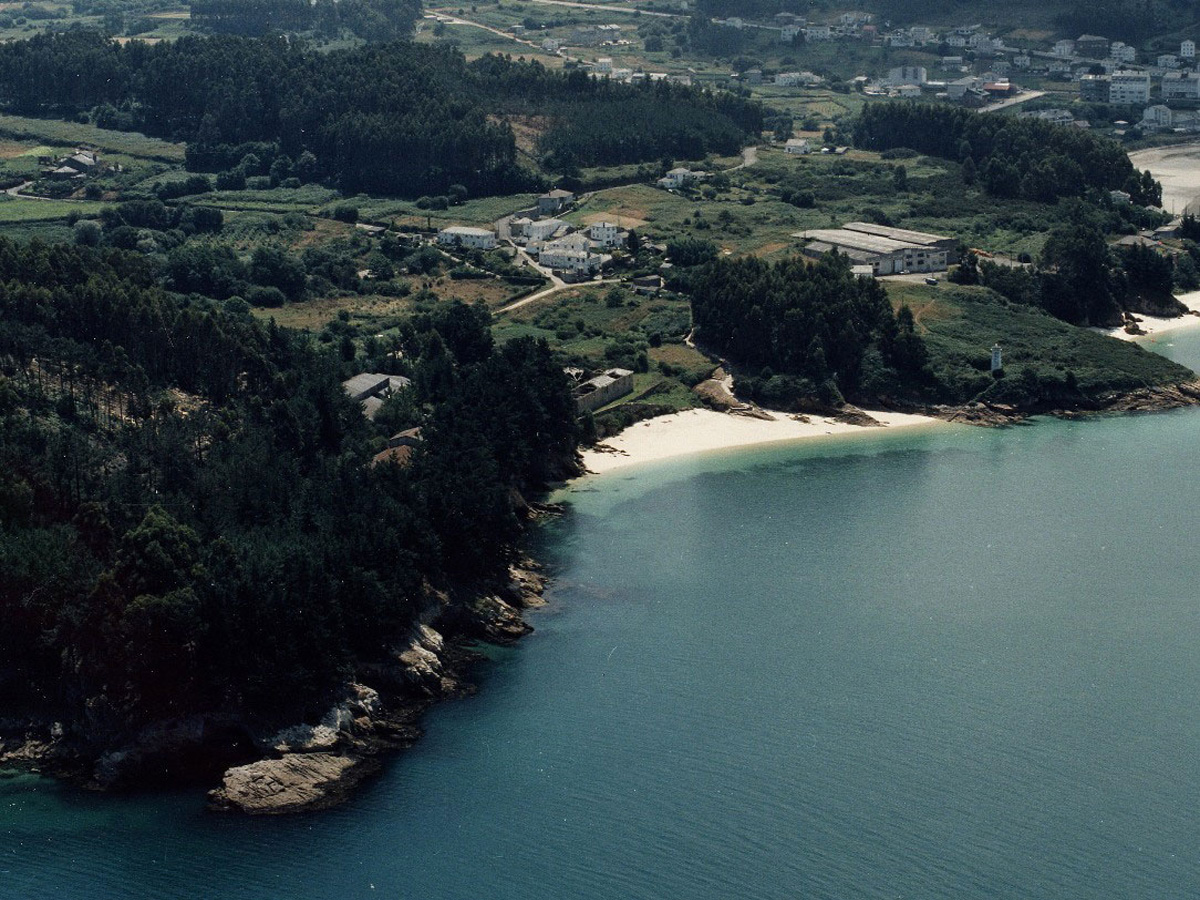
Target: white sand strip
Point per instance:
(703, 430)
(1153, 325)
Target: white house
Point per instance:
(606, 234)
(908, 91)
(1187, 50)
(464, 236)
(797, 146)
(1064, 48)
(788, 33)
(677, 178)
(543, 229)
(818, 33)
(1167, 61)
(576, 262)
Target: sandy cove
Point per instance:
(1153, 325)
(1177, 168)
(704, 430)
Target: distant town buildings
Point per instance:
(1127, 86)
(1091, 46)
(1181, 86)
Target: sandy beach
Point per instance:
(1178, 170)
(1153, 325)
(701, 430)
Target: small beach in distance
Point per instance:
(1177, 168)
(1154, 325)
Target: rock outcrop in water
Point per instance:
(313, 766)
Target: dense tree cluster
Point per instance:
(189, 521)
(1011, 157)
(372, 20)
(809, 328)
(1133, 21)
(1080, 280)
(395, 118)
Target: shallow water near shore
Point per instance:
(945, 663)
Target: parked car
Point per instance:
(931, 280)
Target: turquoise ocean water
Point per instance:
(944, 663)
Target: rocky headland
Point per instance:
(309, 765)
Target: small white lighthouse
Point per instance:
(997, 358)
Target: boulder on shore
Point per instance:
(298, 781)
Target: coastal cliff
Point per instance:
(307, 765)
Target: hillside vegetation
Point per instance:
(395, 118)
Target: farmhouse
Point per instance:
(678, 177)
(606, 234)
(571, 254)
(797, 146)
(550, 203)
(79, 164)
(465, 236)
(544, 229)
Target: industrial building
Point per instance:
(888, 251)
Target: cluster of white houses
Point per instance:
(882, 250)
(557, 244)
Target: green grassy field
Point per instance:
(960, 324)
(481, 211)
(70, 134)
(15, 210)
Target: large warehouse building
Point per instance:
(888, 251)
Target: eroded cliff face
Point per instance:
(306, 765)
